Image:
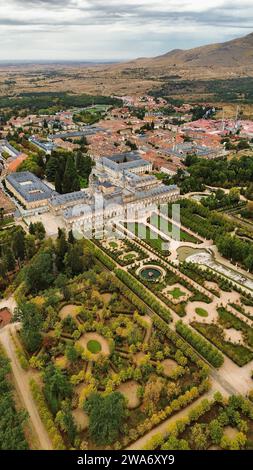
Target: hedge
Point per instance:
(207, 350)
(145, 296)
(46, 416)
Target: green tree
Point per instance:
(70, 179)
(10, 259)
(106, 417)
(58, 182)
(18, 244)
(74, 260)
(39, 274)
(32, 321)
(57, 387)
(51, 167)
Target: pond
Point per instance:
(151, 274)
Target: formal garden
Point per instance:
(229, 334)
(95, 337)
(105, 366)
(170, 288)
(122, 250)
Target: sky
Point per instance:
(116, 29)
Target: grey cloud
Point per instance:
(104, 13)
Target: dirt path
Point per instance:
(22, 384)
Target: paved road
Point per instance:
(22, 384)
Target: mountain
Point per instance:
(235, 53)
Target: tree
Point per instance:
(52, 166)
(18, 244)
(199, 436)
(84, 165)
(58, 182)
(39, 274)
(173, 390)
(74, 259)
(65, 421)
(215, 431)
(39, 230)
(57, 387)
(71, 238)
(61, 249)
(11, 421)
(30, 246)
(234, 195)
(107, 414)
(71, 353)
(70, 179)
(10, 259)
(32, 321)
(152, 394)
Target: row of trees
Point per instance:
(201, 220)
(46, 416)
(142, 292)
(11, 421)
(239, 251)
(207, 350)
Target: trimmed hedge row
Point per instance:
(101, 256)
(207, 350)
(46, 416)
(176, 405)
(145, 296)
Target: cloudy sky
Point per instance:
(116, 29)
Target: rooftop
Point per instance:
(29, 186)
(60, 199)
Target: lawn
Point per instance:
(201, 312)
(94, 346)
(176, 293)
(113, 245)
(149, 236)
(129, 257)
(166, 227)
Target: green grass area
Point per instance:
(113, 245)
(130, 257)
(94, 346)
(148, 235)
(167, 227)
(201, 312)
(176, 293)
